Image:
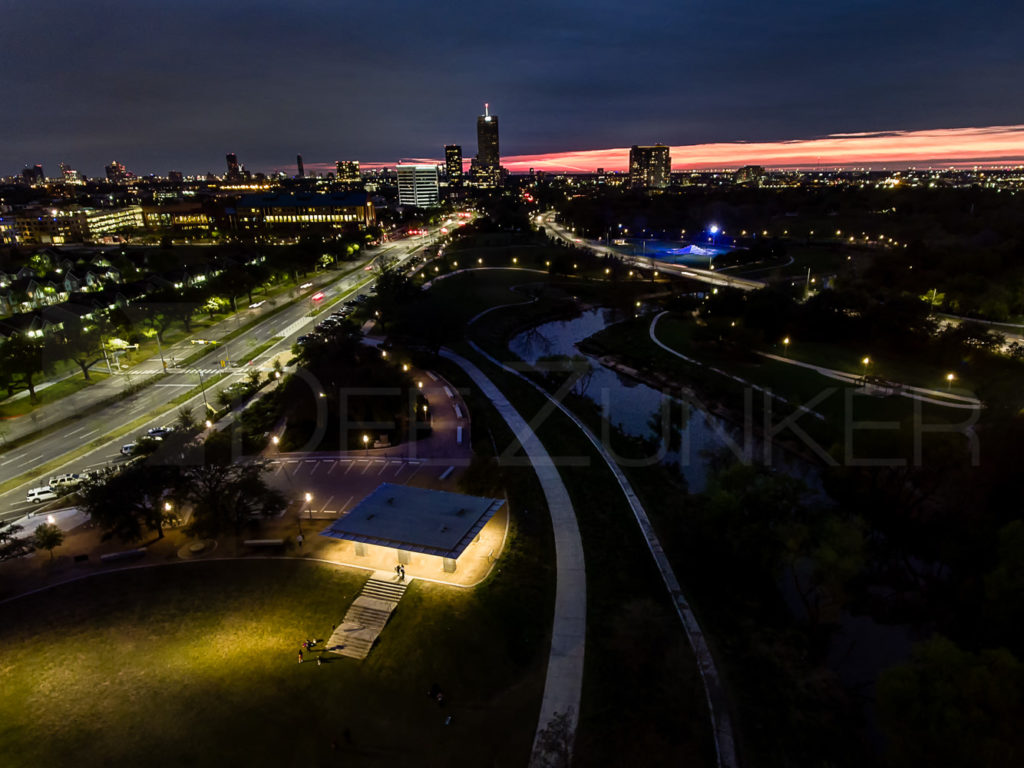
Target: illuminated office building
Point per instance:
(453, 164)
(417, 185)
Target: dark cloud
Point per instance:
(176, 85)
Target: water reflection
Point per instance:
(641, 411)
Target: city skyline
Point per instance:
(997, 146)
(150, 83)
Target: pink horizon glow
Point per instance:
(943, 147)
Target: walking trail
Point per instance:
(564, 680)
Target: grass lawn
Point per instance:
(196, 664)
(50, 394)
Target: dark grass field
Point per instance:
(197, 664)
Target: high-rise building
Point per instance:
(234, 170)
(38, 171)
(298, 163)
(175, 176)
(116, 172)
(650, 167)
(347, 171)
(749, 174)
(417, 185)
(453, 164)
(487, 164)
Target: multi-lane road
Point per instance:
(62, 450)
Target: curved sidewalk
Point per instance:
(721, 722)
(564, 680)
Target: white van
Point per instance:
(41, 494)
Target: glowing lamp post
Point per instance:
(866, 362)
(366, 444)
(785, 346)
(949, 381)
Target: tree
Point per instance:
(11, 545)
(84, 345)
(186, 419)
(950, 707)
(225, 496)
(128, 504)
(26, 358)
(49, 536)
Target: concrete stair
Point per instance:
(366, 617)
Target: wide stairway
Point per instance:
(367, 615)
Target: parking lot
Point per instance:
(338, 484)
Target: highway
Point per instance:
(709, 276)
(54, 450)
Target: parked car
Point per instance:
(40, 494)
(128, 450)
(66, 482)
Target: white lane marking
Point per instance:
(458, 411)
(432, 375)
(382, 469)
(398, 471)
(315, 465)
(349, 468)
(410, 477)
(75, 431)
(345, 505)
(448, 392)
(368, 465)
(29, 461)
(334, 466)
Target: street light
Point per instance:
(785, 346)
(366, 444)
(949, 381)
(866, 362)
(275, 439)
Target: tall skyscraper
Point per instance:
(298, 163)
(234, 171)
(650, 167)
(115, 171)
(487, 164)
(453, 164)
(417, 185)
(40, 176)
(347, 171)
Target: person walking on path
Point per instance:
(300, 657)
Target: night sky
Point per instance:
(177, 85)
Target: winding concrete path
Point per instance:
(564, 680)
(721, 722)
